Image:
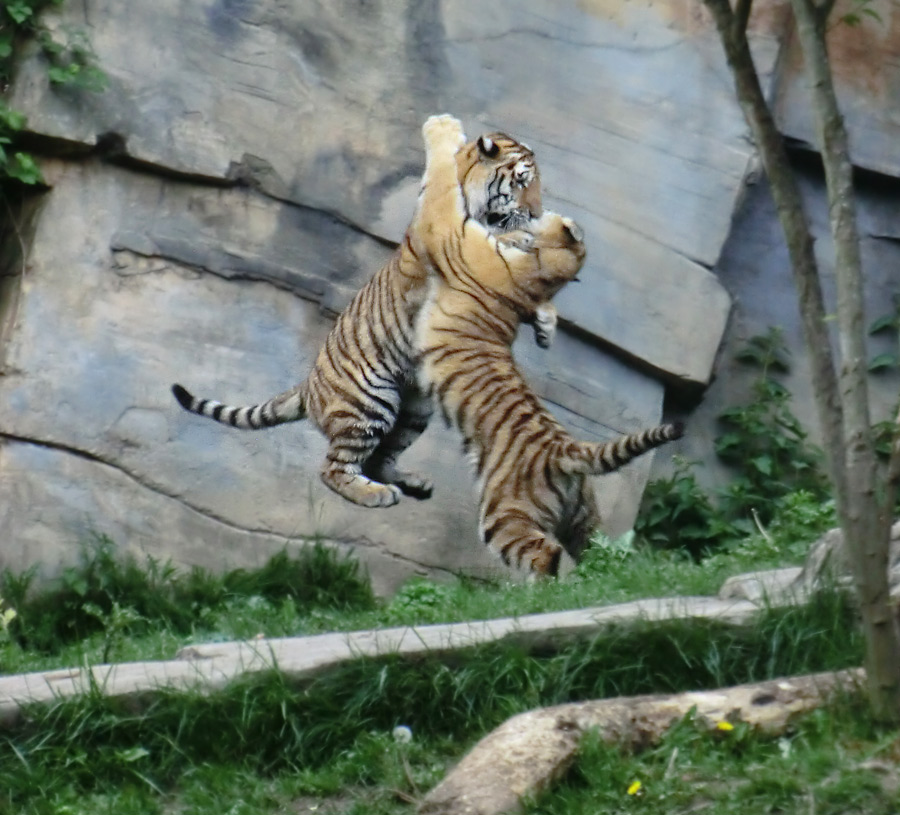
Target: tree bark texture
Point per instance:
(865, 517)
(843, 411)
(794, 223)
(529, 751)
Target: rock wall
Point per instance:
(253, 162)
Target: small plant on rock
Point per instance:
(71, 62)
(770, 456)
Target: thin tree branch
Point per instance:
(824, 9)
(741, 16)
(795, 224)
(893, 471)
(864, 514)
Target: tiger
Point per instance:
(535, 497)
(363, 392)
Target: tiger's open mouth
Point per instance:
(509, 221)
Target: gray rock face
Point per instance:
(866, 73)
(321, 105)
(251, 165)
(147, 281)
(754, 267)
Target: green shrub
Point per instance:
(113, 593)
(769, 456)
(70, 62)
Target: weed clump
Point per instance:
(774, 466)
(115, 594)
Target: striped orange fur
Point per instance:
(535, 497)
(363, 392)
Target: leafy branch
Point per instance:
(71, 62)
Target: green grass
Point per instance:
(833, 762)
(264, 745)
(109, 607)
(332, 735)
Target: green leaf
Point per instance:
(13, 119)
(26, 170)
(883, 361)
(727, 441)
(884, 322)
(870, 12)
(19, 11)
(132, 754)
(64, 75)
(763, 464)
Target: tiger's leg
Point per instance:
(584, 521)
(517, 239)
(343, 470)
(545, 319)
(353, 434)
(545, 315)
(441, 208)
(416, 408)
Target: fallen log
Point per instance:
(211, 666)
(529, 751)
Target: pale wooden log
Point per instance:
(211, 666)
(529, 751)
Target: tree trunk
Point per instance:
(844, 413)
(865, 522)
(794, 223)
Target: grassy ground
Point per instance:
(266, 746)
(112, 609)
(834, 762)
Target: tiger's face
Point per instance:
(500, 182)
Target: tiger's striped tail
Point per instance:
(289, 406)
(598, 459)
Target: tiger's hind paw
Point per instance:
(414, 485)
(361, 490)
(409, 483)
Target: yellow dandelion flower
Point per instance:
(634, 788)
(726, 726)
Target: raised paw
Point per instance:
(443, 128)
(518, 239)
(414, 485)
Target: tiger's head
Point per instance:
(500, 181)
(558, 246)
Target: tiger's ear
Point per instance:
(488, 147)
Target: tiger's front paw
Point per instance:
(546, 318)
(443, 129)
(573, 229)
